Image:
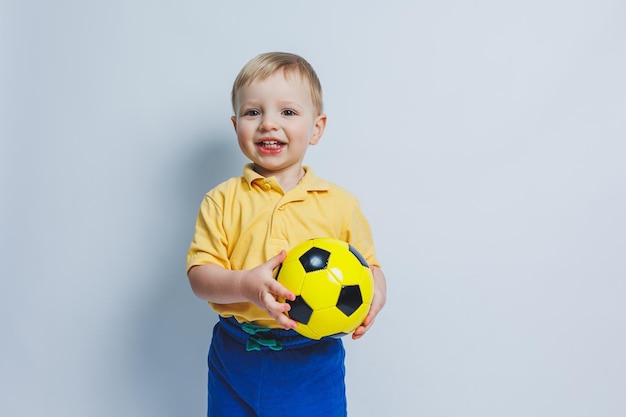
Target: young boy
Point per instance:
(258, 365)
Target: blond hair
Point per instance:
(267, 64)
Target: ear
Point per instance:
(234, 120)
(318, 129)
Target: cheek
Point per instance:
(244, 130)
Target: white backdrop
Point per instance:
(485, 140)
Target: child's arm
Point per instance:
(222, 286)
(380, 297)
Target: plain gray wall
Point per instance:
(485, 140)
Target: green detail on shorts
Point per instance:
(256, 343)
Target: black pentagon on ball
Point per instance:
(350, 299)
(300, 310)
(359, 256)
(314, 259)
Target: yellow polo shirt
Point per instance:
(246, 220)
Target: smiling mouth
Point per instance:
(271, 144)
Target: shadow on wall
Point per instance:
(174, 328)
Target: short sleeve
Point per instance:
(360, 234)
(209, 243)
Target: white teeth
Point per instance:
(270, 143)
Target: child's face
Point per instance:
(275, 122)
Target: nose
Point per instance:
(267, 123)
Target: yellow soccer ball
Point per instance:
(333, 285)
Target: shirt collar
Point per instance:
(309, 181)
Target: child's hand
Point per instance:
(380, 297)
(261, 288)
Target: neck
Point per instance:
(290, 182)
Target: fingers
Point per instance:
(273, 263)
(267, 290)
(369, 320)
(378, 302)
(286, 323)
(277, 310)
(276, 287)
(269, 300)
(363, 328)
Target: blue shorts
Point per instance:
(260, 372)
